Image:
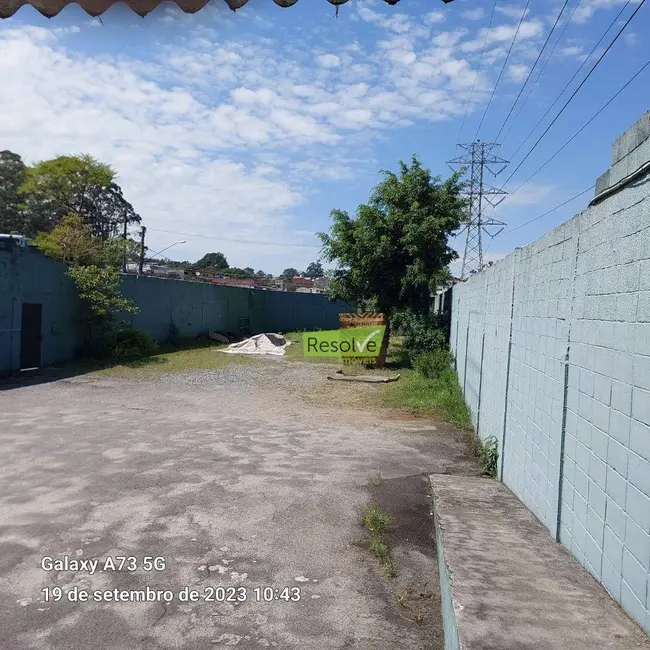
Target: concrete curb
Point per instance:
(507, 585)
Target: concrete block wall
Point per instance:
(569, 373)
(606, 481)
(531, 453)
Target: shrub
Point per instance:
(488, 454)
(422, 333)
(432, 364)
(130, 344)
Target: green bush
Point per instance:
(129, 344)
(432, 364)
(488, 453)
(422, 333)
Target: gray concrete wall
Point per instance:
(552, 347)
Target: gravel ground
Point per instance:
(250, 475)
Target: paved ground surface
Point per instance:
(248, 476)
(514, 588)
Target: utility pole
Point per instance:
(142, 249)
(478, 157)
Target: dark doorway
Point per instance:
(31, 335)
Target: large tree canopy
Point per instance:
(12, 175)
(36, 199)
(314, 270)
(395, 250)
(215, 261)
(289, 274)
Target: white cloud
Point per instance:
(588, 8)
(517, 72)
(530, 194)
(529, 29)
(512, 11)
(229, 136)
(434, 17)
(473, 14)
(632, 39)
(328, 60)
(571, 51)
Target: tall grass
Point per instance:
(438, 396)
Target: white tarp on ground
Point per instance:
(259, 344)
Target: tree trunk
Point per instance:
(381, 359)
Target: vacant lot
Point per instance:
(251, 474)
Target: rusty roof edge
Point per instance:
(51, 8)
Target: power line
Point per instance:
(541, 216)
(557, 207)
(583, 127)
(575, 92)
(487, 108)
(541, 72)
(576, 74)
(478, 69)
(237, 241)
(530, 72)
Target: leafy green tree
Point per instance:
(314, 270)
(71, 242)
(234, 272)
(92, 264)
(215, 261)
(99, 289)
(110, 211)
(289, 274)
(395, 251)
(118, 250)
(63, 185)
(12, 176)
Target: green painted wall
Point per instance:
(195, 308)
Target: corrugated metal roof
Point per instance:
(50, 8)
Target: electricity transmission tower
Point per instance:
(478, 157)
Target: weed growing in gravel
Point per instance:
(488, 453)
(382, 553)
(376, 522)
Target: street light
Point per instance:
(168, 247)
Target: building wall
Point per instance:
(557, 339)
(193, 307)
(28, 277)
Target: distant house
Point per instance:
(309, 290)
(297, 281)
(248, 283)
(322, 283)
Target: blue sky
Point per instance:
(253, 125)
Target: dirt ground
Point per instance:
(248, 476)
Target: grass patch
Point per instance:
(295, 351)
(376, 521)
(439, 397)
(197, 354)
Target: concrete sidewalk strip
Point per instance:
(508, 585)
